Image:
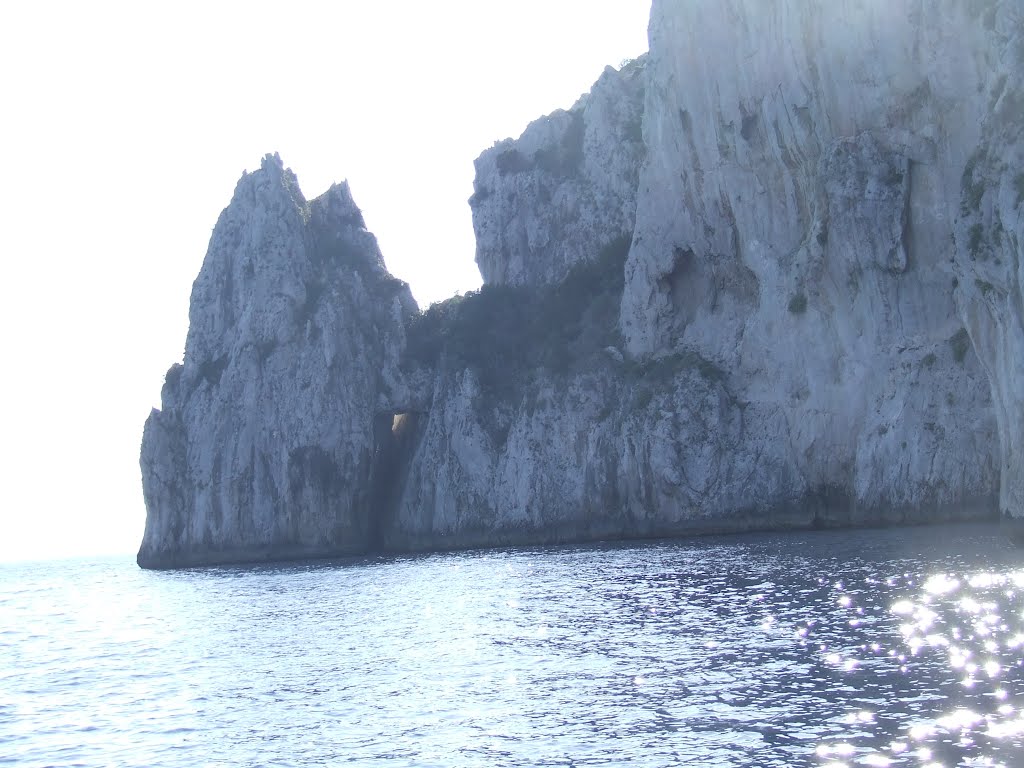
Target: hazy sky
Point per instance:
(126, 126)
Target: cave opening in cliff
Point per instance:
(399, 424)
(396, 434)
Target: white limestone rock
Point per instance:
(264, 443)
(592, 455)
(794, 221)
(565, 189)
(800, 177)
(989, 235)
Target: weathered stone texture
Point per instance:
(769, 275)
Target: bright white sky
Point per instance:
(126, 126)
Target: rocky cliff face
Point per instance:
(806, 244)
(722, 292)
(564, 189)
(264, 445)
(791, 351)
(989, 234)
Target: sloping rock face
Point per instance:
(558, 194)
(989, 234)
(791, 352)
(264, 444)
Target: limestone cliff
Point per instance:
(794, 224)
(766, 276)
(791, 351)
(554, 197)
(989, 235)
(264, 445)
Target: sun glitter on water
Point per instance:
(956, 625)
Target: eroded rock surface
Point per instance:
(767, 276)
(565, 188)
(989, 234)
(794, 225)
(264, 444)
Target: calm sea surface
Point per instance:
(899, 647)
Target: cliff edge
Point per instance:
(766, 276)
(264, 443)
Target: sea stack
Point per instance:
(263, 446)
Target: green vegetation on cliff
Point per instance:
(505, 333)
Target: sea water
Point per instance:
(883, 647)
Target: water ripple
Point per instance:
(844, 649)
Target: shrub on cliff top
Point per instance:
(971, 193)
(505, 333)
(565, 158)
(960, 342)
(512, 161)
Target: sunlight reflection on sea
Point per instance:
(867, 648)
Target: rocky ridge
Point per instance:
(263, 446)
(565, 188)
(721, 293)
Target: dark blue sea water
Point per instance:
(898, 647)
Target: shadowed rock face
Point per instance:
(565, 188)
(767, 276)
(263, 446)
(989, 235)
(795, 224)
